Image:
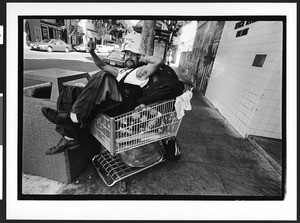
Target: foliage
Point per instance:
(71, 27)
(175, 26)
(115, 28)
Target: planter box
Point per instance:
(39, 135)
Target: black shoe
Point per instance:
(58, 118)
(62, 146)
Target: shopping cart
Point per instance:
(145, 125)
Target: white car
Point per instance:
(102, 49)
(112, 47)
(51, 45)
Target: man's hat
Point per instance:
(132, 43)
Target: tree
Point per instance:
(175, 26)
(147, 41)
(119, 28)
(71, 28)
(148, 33)
(116, 28)
(103, 28)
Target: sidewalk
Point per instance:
(216, 161)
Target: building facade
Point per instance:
(88, 30)
(244, 81)
(39, 29)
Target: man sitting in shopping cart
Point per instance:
(112, 91)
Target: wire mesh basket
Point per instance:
(112, 169)
(136, 128)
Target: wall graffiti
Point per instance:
(204, 51)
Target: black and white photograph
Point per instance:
(214, 112)
(149, 110)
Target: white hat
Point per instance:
(132, 43)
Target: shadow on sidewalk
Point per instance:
(216, 161)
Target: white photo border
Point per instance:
(139, 209)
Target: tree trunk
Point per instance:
(70, 30)
(67, 24)
(147, 41)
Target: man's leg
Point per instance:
(64, 144)
(69, 132)
(93, 97)
(98, 90)
(101, 93)
(70, 136)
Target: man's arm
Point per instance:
(91, 46)
(153, 64)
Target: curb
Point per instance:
(263, 152)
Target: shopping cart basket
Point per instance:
(143, 126)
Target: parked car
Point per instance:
(112, 47)
(115, 58)
(51, 45)
(81, 48)
(102, 49)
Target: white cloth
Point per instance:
(183, 102)
(131, 78)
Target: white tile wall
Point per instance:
(249, 97)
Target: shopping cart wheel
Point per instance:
(179, 159)
(122, 186)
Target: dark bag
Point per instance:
(163, 84)
(172, 148)
(144, 155)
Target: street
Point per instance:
(77, 61)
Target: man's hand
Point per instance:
(91, 46)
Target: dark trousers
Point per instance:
(101, 95)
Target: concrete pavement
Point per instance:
(216, 161)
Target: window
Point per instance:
(45, 32)
(38, 34)
(249, 22)
(239, 24)
(259, 60)
(242, 23)
(242, 32)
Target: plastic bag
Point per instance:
(144, 155)
(172, 148)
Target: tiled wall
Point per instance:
(249, 97)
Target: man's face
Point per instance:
(131, 59)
